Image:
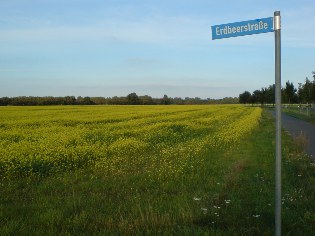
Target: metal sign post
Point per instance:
(264, 25)
(277, 29)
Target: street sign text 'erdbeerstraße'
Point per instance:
(242, 28)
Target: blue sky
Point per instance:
(115, 47)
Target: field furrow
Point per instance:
(38, 141)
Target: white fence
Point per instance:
(305, 109)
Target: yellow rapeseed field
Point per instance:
(159, 140)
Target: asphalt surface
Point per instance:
(296, 126)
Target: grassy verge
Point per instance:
(223, 193)
(302, 116)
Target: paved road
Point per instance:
(295, 126)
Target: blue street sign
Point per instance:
(242, 28)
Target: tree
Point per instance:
(270, 94)
(263, 96)
(256, 96)
(289, 93)
(87, 101)
(133, 99)
(313, 88)
(178, 101)
(165, 100)
(146, 100)
(245, 97)
(99, 100)
(229, 100)
(69, 100)
(4, 101)
(305, 91)
(117, 100)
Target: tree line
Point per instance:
(305, 93)
(130, 99)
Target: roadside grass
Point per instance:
(223, 193)
(302, 116)
(301, 141)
